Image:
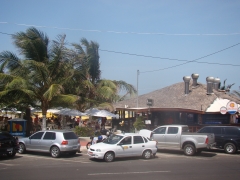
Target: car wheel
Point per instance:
(189, 150)
(11, 154)
(55, 152)
(88, 145)
(109, 157)
(22, 148)
(230, 148)
(147, 154)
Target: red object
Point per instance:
(64, 143)
(206, 142)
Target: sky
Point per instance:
(164, 40)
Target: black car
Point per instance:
(8, 144)
(226, 137)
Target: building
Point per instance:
(188, 102)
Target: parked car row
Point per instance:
(144, 144)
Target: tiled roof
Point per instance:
(174, 97)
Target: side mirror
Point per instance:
(120, 144)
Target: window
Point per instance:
(231, 131)
(127, 140)
(217, 130)
(49, 136)
(205, 130)
(172, 130)
(160, 130)
(69, 135)
(137, 139)
(38, 135)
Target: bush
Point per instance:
(84, 131)
(139, 123)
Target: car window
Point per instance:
(37, 135)
(5, 136)
(113, 139)
(49, 136)
(160, 130)
(217, 130)
(127, 140)
(172, 130)
(137, 139)
(205, 130)
(185, 129)
(231, 131)
(69, 135)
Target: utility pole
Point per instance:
(137, 86)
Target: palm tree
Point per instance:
(224, 87)
(41, 75)
(93, 90)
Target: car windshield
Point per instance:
(113, 139)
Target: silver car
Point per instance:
(53, 141)
(123, 145)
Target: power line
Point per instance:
(156, 57)
(121, 32)
(195, 59)
(186, 61)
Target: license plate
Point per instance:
(10, 149)
(90, 153)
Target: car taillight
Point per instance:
(79, 140)
(206, 141)
(64, 143)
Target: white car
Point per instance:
(123, 145)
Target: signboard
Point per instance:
(147, 121)
(150, 102)
(223, 110)
(232, 107)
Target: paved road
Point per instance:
(167, 165)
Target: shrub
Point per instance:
(84, 131)
(139, 123)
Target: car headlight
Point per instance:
(98, 150)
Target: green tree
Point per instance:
(93, 90)
(40, 76)
(139, 123)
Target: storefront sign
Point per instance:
(232, 107)
(223, 110)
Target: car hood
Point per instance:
(102, 146)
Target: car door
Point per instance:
(124, 147)
(47, 140)
(172, 138)
(219, 135)
(159, 136)
(34, 141)
(138, 146)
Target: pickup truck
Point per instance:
(178, 137)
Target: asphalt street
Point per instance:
(166, 165)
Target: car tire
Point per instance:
(109, 157)
(22, 148)
(88, 145)
(230, 148)
(55, 152)
(147, 154)
(189, 150)
(11, 154)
